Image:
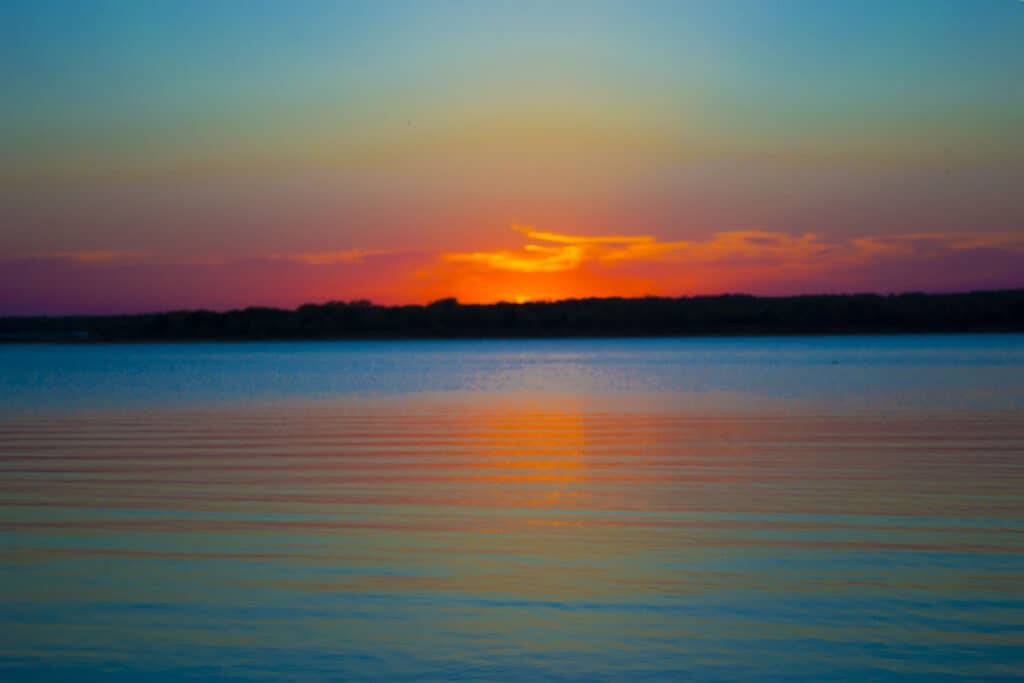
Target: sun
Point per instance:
(520, 298)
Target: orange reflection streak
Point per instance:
(551, 444)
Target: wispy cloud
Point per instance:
(567, 252)
(808, 251)
(930, 242)
(330, 258)
(97, 256)
(122, 257)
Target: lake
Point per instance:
(758, 509)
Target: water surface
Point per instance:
(844, 508)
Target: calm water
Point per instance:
(809, 509)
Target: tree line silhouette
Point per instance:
(731, 314)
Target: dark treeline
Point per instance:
(992, 311)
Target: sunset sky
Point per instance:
(214, 154)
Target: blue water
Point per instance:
(932, 371)
(809, 509)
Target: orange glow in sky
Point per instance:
(167, 156)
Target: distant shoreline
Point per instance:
(999, 311)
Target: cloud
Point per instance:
(567, 252)
(580, 239)
(330, 258)
(757, 246)
(97, 256)
(537, 259)
(911, 244)
(794, 252)
(570, 252)
(115, 257)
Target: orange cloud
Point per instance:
(537, 259)
(572, 251)
(580, 239)
(806, 252)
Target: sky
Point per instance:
(217, 154)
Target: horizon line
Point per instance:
(451, 300)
